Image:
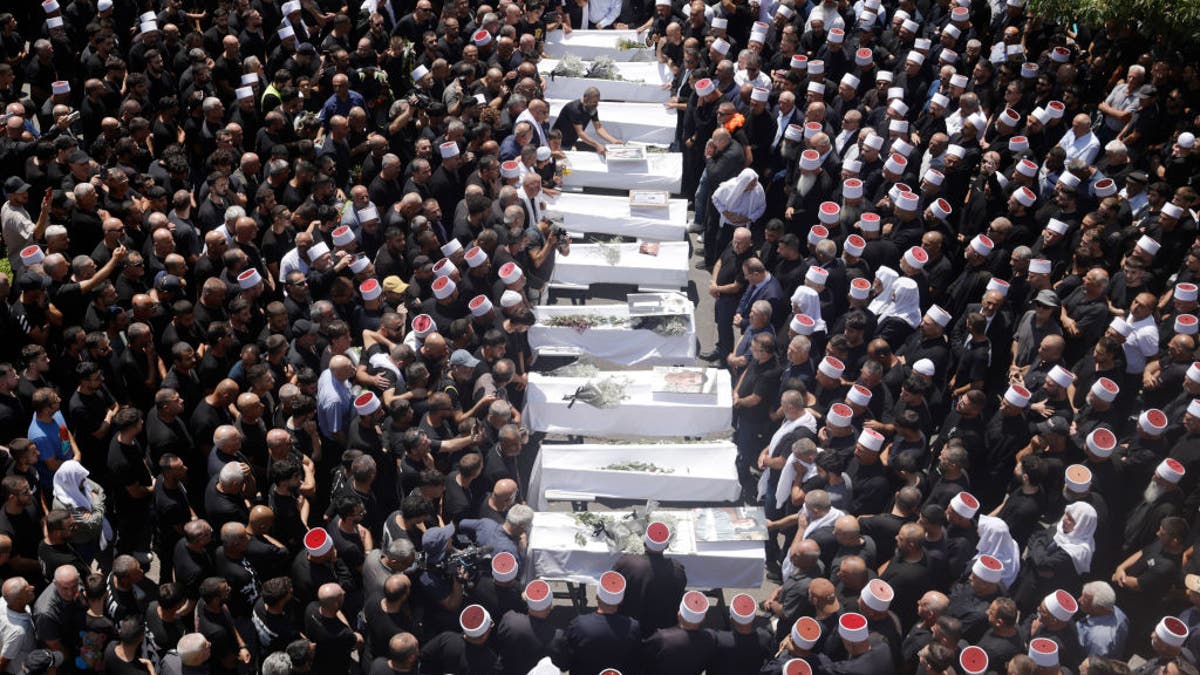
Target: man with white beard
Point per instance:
(1161, 498)
(813, 187)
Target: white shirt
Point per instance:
(18, 232)
(1141, 344)
(1084, 147)
(16, 637)
(292, 262)
(603, 13)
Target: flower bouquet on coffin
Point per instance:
(606, 393)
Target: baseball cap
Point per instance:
(1048, 298)
(14, 185)
(41, 661)
(462, 357)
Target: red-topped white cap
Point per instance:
(999, 285)
(802, 324)
(1171, 631)
(693, 607)
(451, 247)
(443, 268)
(504, 567)
(249, 279)
(1061, 376)
(805, 632)
(1153, 421)
(831, 367)
(1186, 292)
(370, 289)
(444, 287)
(877, 595)
(810, 160)
(916, 257)
(318, 542)
(869, 222)
(818, 233)
(973, 660)
(611, 590)
(475, 257)
(875, 142)
(1010, 117)
(1044, 652)
(982, 244)
(366, 404)
(510, 273)
(742, 609)
(817, 275)
(1056, 109)
(481, 37)
(829, 212)
(799, 62)
(816, 67)
(1018, 144)
(1040, 266)
(1101, 442)
(1105, 187)
(343, 236)
(938, 315)
(1061, 605)
(705, 87)
(871, 440)
(1017, 395)
(964, 504)
(1170, 470)
(941, 209)
(796, 667)
(657, 537)
(32, 255)
(794, 132)
(1077, 478)
(423, 325)
(988, 569)
(859, 396)
(1186, 324)
(1060, 55)
(360, 263)
(852, 627)
(854, 246)
(1027, 168)
(839, 415)
(448, 150)
(480, 305)
(896, 164)
(538, 596)
(1025, 197)
(863, 56)
(510, 169)
(852, 188)
(475, 621)
(1105, 389)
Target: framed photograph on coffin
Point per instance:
(736, 523)
(658, 304)
(676, 380)
(649, 199)
(625, 153)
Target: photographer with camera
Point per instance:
(441, 586)
(511, 537)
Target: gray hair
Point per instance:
(804, 447)
(1101, 593)
(84, 189)
(210, 104)
(400, 549)
(762, 307)
(817, 501)
(233, 213)
(231, 475)
(190, 648)
(500, 409)
(520, 518)
(278, 663)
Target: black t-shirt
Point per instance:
(382, 625)
(24, 531)
(275, 631)
(222, 508)
(13, 418)
(191, 568)
(760, 378)
(335, 641)
(350, 548)
(219, 629)
(117, 666)
(731, 267)
(171, 506)
(127, 467)
(53, 557)
(243, 583)
(161, 636)
(573, 113)
(460, 502)
(85, 416)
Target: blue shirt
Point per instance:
(1104, 635)
(333, 404)
(336, 106)
(47, 436)
(490, 533)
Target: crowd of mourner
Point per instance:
(273, 264)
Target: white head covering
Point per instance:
(886, 276)
(1080, 543)
(810, 304)
(905, 303)
(66, 485)
(733, 196)
(994, 540)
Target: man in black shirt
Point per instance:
(574, 118)
(753, 400)
(325, 626)
(90, 414)
(726, 287)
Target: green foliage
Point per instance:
(1177, 21)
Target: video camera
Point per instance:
(467, 563)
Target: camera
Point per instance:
(468, 562)
(564, 239)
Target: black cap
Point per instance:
(169, 282)
(1053, 425)
(32, 281)
(303, 327)
(41, 661)
(78, 157)
(307, 49)
(15, 186)
(1138, 177)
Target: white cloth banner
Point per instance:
(588, 265)
(558, 556)
(639, 83)
(590, 44)
(698, 472)
(643, 413)
(623, 345)
(630, 122)
(660, 171)
(604, 214)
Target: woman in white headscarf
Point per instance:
(901, 316)
(806, 301)
(84, 499)
(1058, 556)
(882, 288)
(740, 201)
(995, 540)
